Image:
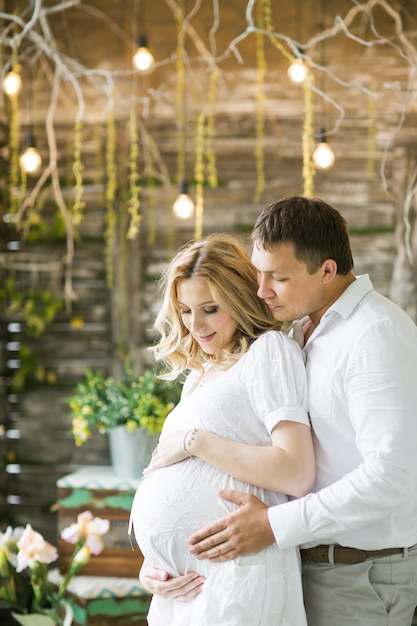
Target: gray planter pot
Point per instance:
(131, 451)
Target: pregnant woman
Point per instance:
(241, 423)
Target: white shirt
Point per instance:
(362, 378)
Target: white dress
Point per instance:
(266, 385)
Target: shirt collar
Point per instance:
(344, 306)
(351, 297)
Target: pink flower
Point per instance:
(34, 549)
(89, 528)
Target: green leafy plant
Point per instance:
(136, 402)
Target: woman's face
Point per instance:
(208, 324)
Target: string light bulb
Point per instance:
(143, 59)
(297, 71)
(12, 83)
(30, 159)
(323, 155)
(183, 206)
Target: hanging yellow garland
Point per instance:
(133, 205)
(99, 163)
(14, 173)
(203, 148)
(211, 157)
(267, 16)
(308, 141)
(199, 176)
(77, 169)
(20, 192)
(308, 170)
(151, 204)
(111, 188)
(122, 268)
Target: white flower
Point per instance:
(87, 527)
(34, 549)
(8, 543)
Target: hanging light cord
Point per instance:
(182, 153)
(323, 63)
(30, 101)
(299, 20)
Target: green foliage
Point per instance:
(38, 307)
(28, 364)
(105, 403)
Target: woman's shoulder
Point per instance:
(191, 379)
(276, 341)
(275, 337)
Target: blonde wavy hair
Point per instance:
(223, 263)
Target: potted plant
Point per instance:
(131, 410)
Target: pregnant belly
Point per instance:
(173, 502)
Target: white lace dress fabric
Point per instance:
(266, 385)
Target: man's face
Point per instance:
(285, 284)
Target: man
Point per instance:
(358, 530)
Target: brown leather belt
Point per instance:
(323, 554)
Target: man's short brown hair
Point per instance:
(317, 231)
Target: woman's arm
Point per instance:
(286, 466)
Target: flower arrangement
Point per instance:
(136, 402)
(25, 586)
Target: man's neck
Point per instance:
(337, 287)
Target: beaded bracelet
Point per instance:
(186, 442)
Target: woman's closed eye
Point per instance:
(211, 309)
(207, 310)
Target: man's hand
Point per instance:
(181, 588)
(245, 531)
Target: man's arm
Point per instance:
(245, 531)
(181, 588)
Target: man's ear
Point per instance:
(329, 269)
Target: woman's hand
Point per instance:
(169, 450)
(182, 588)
